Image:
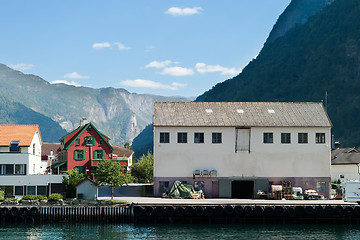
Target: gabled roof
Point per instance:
(46, 148)
(22, 133)
(80, 130)
(240, 114)
(121, 151)
(343, 156)
(85, 179)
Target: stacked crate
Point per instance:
(286, 190)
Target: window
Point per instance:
(268, 137)
(99, 154)
(302, 138)
(80, 169)
(320, 138)
(89, 141)
(216, 138)
(14, 146)
(31, 190)
(164, 137)
(79, 154)
(20, 169)
(100, 142)
(9, 169)
(320, 186)
(242, 140)
(42, 190)
(19, 190)
(78, 142)
(163, 186)
(285, 138)
(182, 137)
(199, 185)
(9, 190)
(34, 148)
(198, 137)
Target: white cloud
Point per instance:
(102, 45)
(150, 48)
(21, 66)
(121, 46)
(203, 68)
(142, 83)
(176, 11)
(157, 64)
(66, 82)
(75, 75)
(177, 71)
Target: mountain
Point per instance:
(116, 112)
(321, 56)
(16, 113)
(297, 13)
(143, 143)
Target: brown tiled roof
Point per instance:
(22, 133)
(240, 114)
(48, 147)
(121, 151)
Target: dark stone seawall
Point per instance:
(170, 213)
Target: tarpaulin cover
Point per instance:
(181, 190)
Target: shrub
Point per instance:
(55, 197)
(11, 199)
(41, 197)
(29, 197)
(2, 196)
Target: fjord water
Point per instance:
(178, 231)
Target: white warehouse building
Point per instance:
(235, 149)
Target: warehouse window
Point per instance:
(164, 137)
(268, 137)
(285, 138)
(198, 137)
(320, 138)
(216, 137)
(182, 137)
(302, 138)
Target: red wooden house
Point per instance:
(83, 149)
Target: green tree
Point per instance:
(144, 168)
(70, 182)
(128, 146)
(111, 173)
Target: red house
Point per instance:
(83, 149)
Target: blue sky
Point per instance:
(159, 47)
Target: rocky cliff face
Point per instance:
(116, 112)
(297, 13)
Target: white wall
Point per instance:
(349, 171)
(263, 160)
(30, 180)
(26, 156)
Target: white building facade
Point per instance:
(234, 150)
(345, 164)
(21, 170)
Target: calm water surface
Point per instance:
(178, 231)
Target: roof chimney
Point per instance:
(83, 121)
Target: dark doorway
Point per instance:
(242, 189)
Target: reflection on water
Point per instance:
(178, 231)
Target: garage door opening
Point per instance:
(242, 189)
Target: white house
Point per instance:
(235, 149)
(21, 170)
(345, 164)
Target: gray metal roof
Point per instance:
(240, 114)
(342, 156)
